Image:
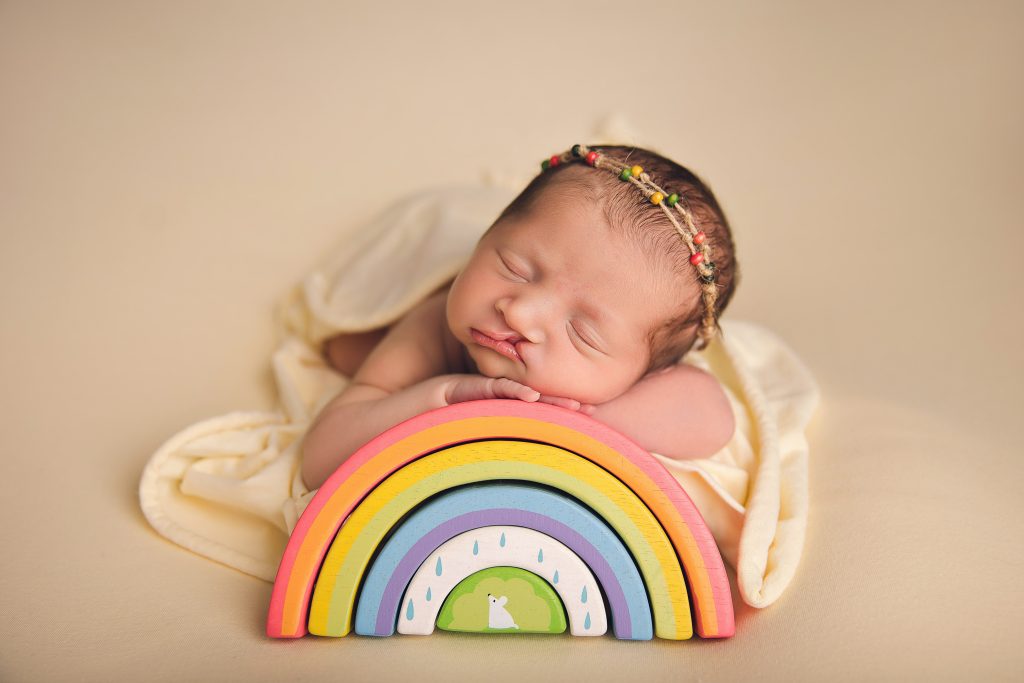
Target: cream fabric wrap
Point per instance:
(229, 487)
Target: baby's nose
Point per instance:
(522, 317)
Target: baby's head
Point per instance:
(590, 283)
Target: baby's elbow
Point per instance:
(308, 467)
(722, 430)
(720, 421)
(702, 439)
(711, 423)
(316, 455)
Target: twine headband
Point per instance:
(678, 213)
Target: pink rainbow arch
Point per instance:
(501, 419)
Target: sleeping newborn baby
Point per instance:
(586, 292)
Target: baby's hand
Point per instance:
(570, 403)
(477, 387)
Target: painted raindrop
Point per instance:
(540, 555)
(583, 595)
(409, 611)
(586, 622)
(502, 541)
(437, 567)
(428, 593)
(476, 548)
(556, 576)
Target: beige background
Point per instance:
(169, 170)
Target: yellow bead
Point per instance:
(657, 197)
(636, 171)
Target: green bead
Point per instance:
(545, 165)
(673, 199)
(626, 174)
(576, 151)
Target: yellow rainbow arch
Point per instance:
(403, 466)
(336, 587)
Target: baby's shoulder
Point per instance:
(434, 310)
(413, 350)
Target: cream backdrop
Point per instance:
(168, 170)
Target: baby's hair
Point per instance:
(635, 217)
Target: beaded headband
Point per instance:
(677, 211)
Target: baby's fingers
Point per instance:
(508, 388)
(570, 403)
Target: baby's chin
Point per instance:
(490, 364)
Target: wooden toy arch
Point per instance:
(500, 420)
(342, 570)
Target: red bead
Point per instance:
(555, 160)
(697, 258)
(699, 237)
(591, 158)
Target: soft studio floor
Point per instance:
(169, 169)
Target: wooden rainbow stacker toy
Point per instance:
(501, 516)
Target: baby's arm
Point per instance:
(681, 413)
(354, 417)
(402, 377)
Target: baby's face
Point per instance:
(574, 301)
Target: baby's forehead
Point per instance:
(632, 289)
(537, 232)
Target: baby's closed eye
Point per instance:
(583, 337)
(509, 268)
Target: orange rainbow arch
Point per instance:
(669, 543)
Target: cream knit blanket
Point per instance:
(229, 487)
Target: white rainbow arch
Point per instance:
(641, 524)
(512, 546)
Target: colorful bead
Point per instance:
(636, 171)
(592, 158)
(555, 160)
(545, 164)
(697, 258)
(699, 237)
(657, 197)
(626, 174)
(712, 275)
(673, 199)
(576, 151)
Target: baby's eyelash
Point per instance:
(582, 338)
(509, 268)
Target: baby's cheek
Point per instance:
(609, 387)
(472, 301)
(455, 312)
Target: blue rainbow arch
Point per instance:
(473, 507)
